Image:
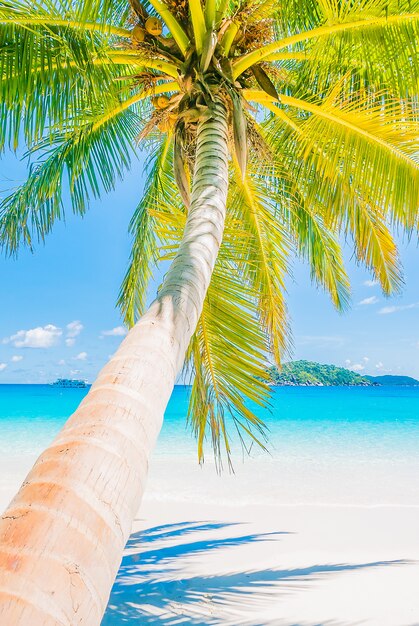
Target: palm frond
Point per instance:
(319, 246)
(402, 22)
(49, 74)
(297, 16)
(321, 62)
(374, 244)
(264, 255)
(228, 358)
(91, 159)
(326, 204)
(305, 214)
(99, 16)
(156, 227)
(370, 142)
(373, 145)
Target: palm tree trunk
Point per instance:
(62, 537)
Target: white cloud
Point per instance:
(61, 362)
(40, 337)
(74, 328)
(3, 366)
(357, 367)
(372, 300)
(82, 356)
(118, 331)
(386, 310)
(75, 372)
(379, 366)
(16, 358)
(370, 283)
(393, 309)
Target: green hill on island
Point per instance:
(311, 373)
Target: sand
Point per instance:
(292, 565)
(206, 550)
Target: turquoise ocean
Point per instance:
(352, 445)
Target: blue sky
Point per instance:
(58, 315)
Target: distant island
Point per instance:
(310, 373)
(394, 380)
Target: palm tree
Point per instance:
(274, 128)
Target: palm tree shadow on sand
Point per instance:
(149, 588)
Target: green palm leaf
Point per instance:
(323, 206)
(228, 359)
(264, 254)
(91, 159)
(156, 227)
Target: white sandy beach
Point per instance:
(210, 550)
(297, 565)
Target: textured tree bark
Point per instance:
(62, 536)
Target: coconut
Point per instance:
(138, 34)
(167, 123)
(153, 26)
(161, 102)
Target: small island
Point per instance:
(310, 373)
(387, 379)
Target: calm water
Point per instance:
(370, 420)
(367, 433)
